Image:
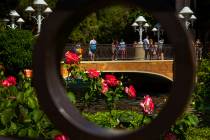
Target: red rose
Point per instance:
(61, 137)
(147, 105)
(10, 81)
(105, 87)
(130, 91)
(111, 80)
(93, 73)
(71, 58)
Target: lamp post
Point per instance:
(39, 5)
(187, 15)
(13, 14)
(20, 21)
(5, 21)
(138, 26)
(157, 29)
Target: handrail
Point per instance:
(104, 52)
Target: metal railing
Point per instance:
(104, 52)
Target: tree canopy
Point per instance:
(110, 23)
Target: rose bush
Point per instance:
(20, 113)
(106, 86)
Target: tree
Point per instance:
(109, 23)
(16, 49)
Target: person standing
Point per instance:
(146, 47)
(198, 47)
(122, 49)
(92, 49)
(114, 49)
(160, 49)
(152, 49)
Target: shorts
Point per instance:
(93, 50)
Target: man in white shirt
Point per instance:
(92, 49)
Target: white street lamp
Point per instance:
(157, 28)
(20, 21)
(30, 10)
(13, 14)
(5, 21)
(146, 25)
(47, 11)
(139, 23)
(186, 12)
(154, 29)
(39, 6)
(193, 18)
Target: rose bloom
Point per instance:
(147, 105)
(71, 58)
(93, 73)
(61, 137)
(130, 91)
(105, 87)
(111, 80)
(10, 81)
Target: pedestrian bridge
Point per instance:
(153, 75)
(162, 68)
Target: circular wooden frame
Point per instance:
(52, 94)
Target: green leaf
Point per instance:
(3, 132)
(36, 115)
(20, 97)
(22, 132)
(6, 116)
(86, 96)
(13, 128)
(32, 133)
(71, 97)
(32, 103)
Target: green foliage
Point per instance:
(109, 23)
(202, 90)
(20, 113)
(121, 119)
(16, 49)
(194, 133)
(184, 123)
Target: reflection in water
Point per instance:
(125, 104)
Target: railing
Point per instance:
(104, 52)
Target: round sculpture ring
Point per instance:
(51, 93)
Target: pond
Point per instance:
(158, 87)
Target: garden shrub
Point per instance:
(201, 95)
(20, 113)
(186, 121)
(198, 133)
(117, 119)
(202, 91)
(16, 50)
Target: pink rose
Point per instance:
(71, 58)
(61, 137)
(147, 105)
(10, 81)
(105, 87)
(130, 91)
(93, 73)
(111, 80)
